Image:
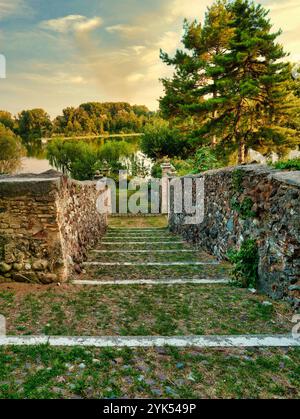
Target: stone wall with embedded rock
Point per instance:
(47, 223)
(257, 202)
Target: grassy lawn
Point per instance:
(140, 310)
(43, 372)
(138, 222)
(154, 272)
(152, 257)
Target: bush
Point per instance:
(81, 159)
(161, 140)
(205, 159)
(11, 151)
(292, 164)
(245, 261)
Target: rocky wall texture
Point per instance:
(256, 202)
(47, 223)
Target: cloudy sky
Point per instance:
(65, 52)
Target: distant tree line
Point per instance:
(89, 118)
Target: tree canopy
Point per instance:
(233, 80)
(11, 150)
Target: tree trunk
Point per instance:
(242, 151)
(215, 115)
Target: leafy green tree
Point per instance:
(112, 151)
(161, 140)
(11, 150)
(98, 118)
(7, 120)
(81, 159)
(34, 124)
(249, 80)
(234, 82)
(205, 159)
(183, 93)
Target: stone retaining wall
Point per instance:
(47, 223)
(252, 202)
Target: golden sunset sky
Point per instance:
(63, 53)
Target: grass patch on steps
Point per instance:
(138, 222)
(77, 373)
(141, 310)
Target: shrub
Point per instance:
(205, 159)
(81, 159)
(11, 151)
(292, 164)
(245, 261)
(161, 140)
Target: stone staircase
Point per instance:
(150, 255)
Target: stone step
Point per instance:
(150, 263)
(135, 237)
(141, 242)
(146, 251)
(135, 271)
(177, 281)
(214, 341)
(145, 246)
(137, 229)
(136, 256)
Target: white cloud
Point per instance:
(12, 8)
(72, 23)
(125, 29)
(189, 9)
(55, 78)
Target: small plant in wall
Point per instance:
(242, 207)
(237, 180)
(245, 264)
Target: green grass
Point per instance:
(154, 272)
(144, 310)
(44, 372)
(178, 256)
(292, 164)
(138, 222)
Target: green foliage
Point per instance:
(245, 261)
(34, 124)
(73, 157)
(112, 151)
(237, 180)
(161, 140)
(232, 80)
(11, 150)
(183, 167)
(98, 118)
(81, 159)
(156, 171)
(292, 164)
(205, 159)
(7, 120)
(243, 208)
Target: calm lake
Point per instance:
(34, 165)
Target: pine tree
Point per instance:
(243, 94)
(185, 92)
(250, 80)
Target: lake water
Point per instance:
(34, 165)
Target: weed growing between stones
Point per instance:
(244, 208)
(237, 180)
(245, 261)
